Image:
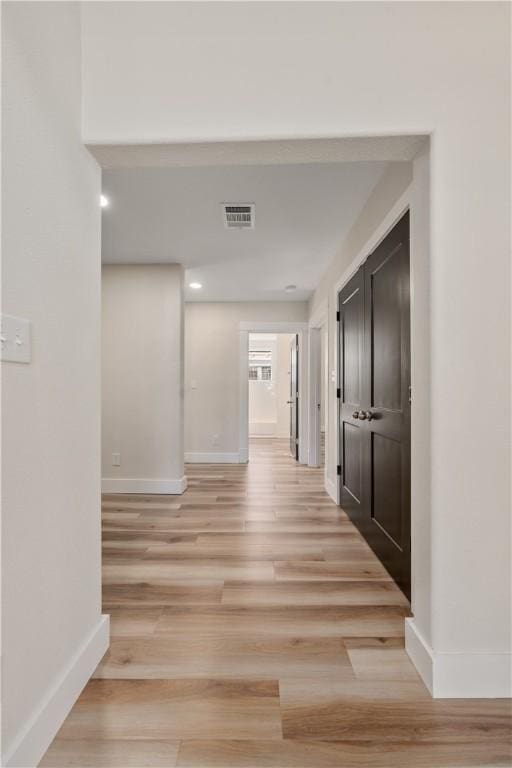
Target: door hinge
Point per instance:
(337, 317)
(338, 469)
(410, 394)
(338, 393)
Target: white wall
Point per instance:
(142, 378)
(52, 631)
(448, 75)
(212, 371)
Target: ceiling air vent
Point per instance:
(238, 215)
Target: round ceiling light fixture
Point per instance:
(290, 288)
(195, 286)
(104, 201)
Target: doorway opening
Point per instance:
(273, 389)
(273, 386)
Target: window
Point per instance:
(260, 365)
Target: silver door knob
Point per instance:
(355, 415)
(368, 415)
(362, 415)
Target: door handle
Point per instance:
(290, 402)
(355, 415)
(366, 415)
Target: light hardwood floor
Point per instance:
(252, 626)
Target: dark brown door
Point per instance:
(294, 397)
(375, 428)
(351, 338)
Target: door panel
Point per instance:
(352, 464)
(351, 341)
(352, 348)
(382, 513)
(385, 326)
(294, 397)
(387, 482)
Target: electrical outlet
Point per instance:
(116, 459)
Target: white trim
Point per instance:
(472, 676)
(214, 457)
(420, 653)
(243, 396)
(172, 486)
(258, 326)
(332, 490)
(38, 733)
(459, 675)
(315, 395)
(316, 322)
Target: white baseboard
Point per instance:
(244, 455)
(332, 489)
(459, 675)
(38, 733)
(472, 675)
(173, 487)
(214, 457)
(420, 653)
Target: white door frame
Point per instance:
(317, 324)
(246, 327)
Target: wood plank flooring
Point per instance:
(252, 626)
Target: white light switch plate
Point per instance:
(15, 339)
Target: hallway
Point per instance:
(252, 626)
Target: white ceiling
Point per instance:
(303, 212)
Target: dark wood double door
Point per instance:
(374, 413)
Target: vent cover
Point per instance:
(238, 215)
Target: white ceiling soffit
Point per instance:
(279, 151)
(175, 215)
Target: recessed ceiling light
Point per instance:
(290, 288)
(195, 286)
(104, 201)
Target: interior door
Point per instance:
(351, 340)
(376, 453)
(294, 397)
